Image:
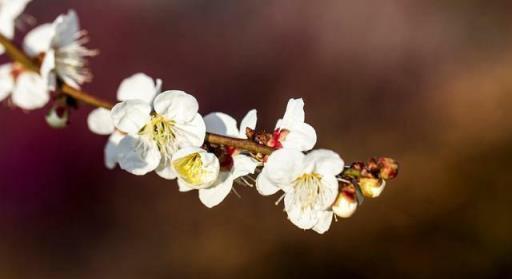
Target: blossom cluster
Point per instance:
(162, 131)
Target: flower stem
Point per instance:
(20, 57)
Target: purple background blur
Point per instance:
(426, 82)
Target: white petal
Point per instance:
(176, 105)
(249, 121)
(100, 121)
(283, 166)
(158, 87)
(6, 81)
(2, 49)
(264, 186)
(7, 26)
(165, 170)
(243, 165)
(66, 29)
(138, 155)
(111, 156)
(137, 87)
(47, 68)
(191, 133)
(302, 137)
(217, 193)
(302, 218)
(30, 91)
(183, 186)
(13, 8)
(293, 115)
(130, 116)
(38, 40)
(222, 124)
(328, 192)
(326, 162)
(324, 222)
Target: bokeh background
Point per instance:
(426, 82)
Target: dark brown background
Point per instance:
(427, 82)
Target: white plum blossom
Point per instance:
(291, 131)
(136, 87)
(10, 10)
(65, 58)
(27, 89)
(154, 132)
(195, 168)
(233, 164)
(309, 184)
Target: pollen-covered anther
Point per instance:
(191, 169)
(308, 189)
(161, 130)
(196, 168)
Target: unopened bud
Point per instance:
(371, 187)
(345, 204)
(388, 168)
(58, 117)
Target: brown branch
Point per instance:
(20, 57)
(85, 97)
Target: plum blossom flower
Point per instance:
(309, 184)
(154, 132)
(10, 10)
(27, 89)
(195, 168)
(65, 58)
(233, 164)
(291, 131)
(136, 87)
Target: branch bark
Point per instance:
(20, 57)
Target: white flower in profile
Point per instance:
(309, 184)
(66, 57)
(195, 168)
(233, 164)
(291, 131)
(136, 87)
(154, 132)
(27, 89)
(10, 10)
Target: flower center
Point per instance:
(191, 169)
(70, 58)
(308, 190)
(161, 131)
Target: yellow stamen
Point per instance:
(190, 168)
(160, 130)
(307, 189)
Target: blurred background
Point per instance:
(426, 82)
